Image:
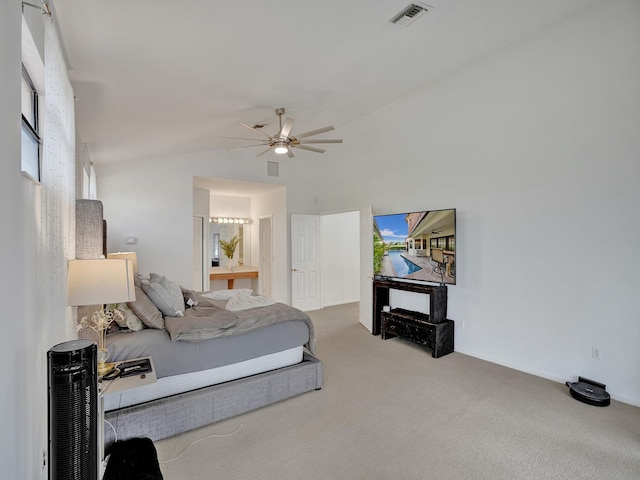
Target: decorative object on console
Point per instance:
(229, 248)
(100, 282)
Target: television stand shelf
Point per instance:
(416, 327)
(437, 299)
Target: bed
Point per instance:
(223, 354)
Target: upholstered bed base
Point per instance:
(180, 413)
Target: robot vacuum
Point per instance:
(590, 392)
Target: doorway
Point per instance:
(225, 198)
(198, 254)
(266, 255)
(306, 266)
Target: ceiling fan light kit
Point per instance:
(282, 142)
(281, 147)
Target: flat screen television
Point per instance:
(418, 246)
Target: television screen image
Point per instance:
(416, 246)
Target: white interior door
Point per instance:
(198, 254)
(305, 261)
(366, 267)
(266, 256)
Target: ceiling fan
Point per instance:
(282, 142)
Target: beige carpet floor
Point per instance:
(389, 411)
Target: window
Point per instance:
(445, 243)
(30, 157)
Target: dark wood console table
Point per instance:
(437, 299)
(432, 330)
(418, 328)
(223, 273)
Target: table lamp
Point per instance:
(126, 256)
(101, 282)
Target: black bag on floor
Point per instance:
(133, 459)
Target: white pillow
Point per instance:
(228, 294)
(165, 294)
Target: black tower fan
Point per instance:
(73, 411)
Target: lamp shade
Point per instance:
(100, 281)
(127, 256)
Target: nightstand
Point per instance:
(119, 384)
(125, 383)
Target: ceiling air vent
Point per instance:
(409, 14)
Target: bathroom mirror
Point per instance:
(226, 231)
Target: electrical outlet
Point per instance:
(461, 325)
(596, 353)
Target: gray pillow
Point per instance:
(165, 294)
(190, 297)
(146, 310)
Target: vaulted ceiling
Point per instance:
(162, 77)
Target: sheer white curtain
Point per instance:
(89, 190)
(58, 207)
(89, 181)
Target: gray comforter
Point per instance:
(209, 319)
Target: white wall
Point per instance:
(152, 199)
(34, 319)
(19, 433)
(273, 204)
(230, 206)
(153, 203)
(340, 258)
(201, 246)
(537, 148)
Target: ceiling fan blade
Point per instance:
(248, 146)
(311, 149)
(262, 153)
(290, 154)
(255, 130)
(315, 132)
(243, 138)
(333, 140)
(286, 128)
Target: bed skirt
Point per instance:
(180, 413)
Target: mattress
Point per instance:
(175, 384)
(179, 357)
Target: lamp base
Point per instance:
(104, 368)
